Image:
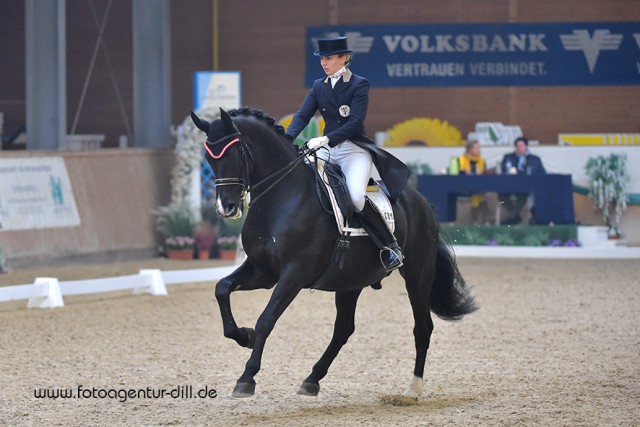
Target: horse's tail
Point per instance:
(451, 298)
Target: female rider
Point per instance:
(342, 98)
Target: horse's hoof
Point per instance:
(244, 390)
(309, 389)
(251, 338)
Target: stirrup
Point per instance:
(392, 260)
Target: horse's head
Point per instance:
(229, 159)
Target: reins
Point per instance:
(286, 170)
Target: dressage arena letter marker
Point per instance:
(52, 299)
(155, 284)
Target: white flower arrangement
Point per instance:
(189, 154)
(608, 181)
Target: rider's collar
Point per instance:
(345, 77)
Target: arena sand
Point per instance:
(554, 343)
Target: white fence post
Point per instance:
(52, 299)
(156, 284)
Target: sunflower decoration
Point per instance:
(424, 132)
(313, 129)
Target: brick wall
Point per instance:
(265, 40)
(267, 44)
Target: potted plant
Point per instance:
(179, 247)
(176, 223)
(227, 246)
(608, 180)
(204, 237)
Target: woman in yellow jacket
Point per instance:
(472, 163)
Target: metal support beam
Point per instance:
(46, 86)
(151, 73)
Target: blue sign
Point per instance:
(535, 54)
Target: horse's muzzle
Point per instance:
(231, 210)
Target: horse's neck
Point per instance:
(267, 161)
(269, 153)
(276, 161)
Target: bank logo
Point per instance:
(356, 41)
(591, 46)
(56, 190)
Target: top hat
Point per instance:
(331, 46)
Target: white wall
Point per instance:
(556, 159)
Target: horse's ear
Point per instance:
(227, 121)
(203, 125)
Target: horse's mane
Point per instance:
(267, 120)
(258, 114)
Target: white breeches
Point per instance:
(356, 165)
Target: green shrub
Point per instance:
(175, 220)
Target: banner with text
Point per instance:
(536, 54)
(36, 192)
(217, 89)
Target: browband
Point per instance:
(234, 138)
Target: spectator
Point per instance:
(472, 163)
(520, 162)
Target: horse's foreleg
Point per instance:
(246, 277)
(280, 300)
(342, 330)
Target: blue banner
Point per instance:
(536, 54)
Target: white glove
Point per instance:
(315, 143)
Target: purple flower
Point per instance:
(227, 242)
(555, 243)
(491, 243)
(572, 243)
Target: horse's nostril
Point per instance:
(231, 207)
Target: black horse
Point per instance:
(289, 240)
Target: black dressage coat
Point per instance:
(344, 109)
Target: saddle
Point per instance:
(335, 192)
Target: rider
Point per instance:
(342, 98)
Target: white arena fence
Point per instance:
(47, 292)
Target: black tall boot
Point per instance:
(372, 222)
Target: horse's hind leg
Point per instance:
(418, 280)
(342, 330)
(245, 278)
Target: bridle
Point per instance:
(245, 155)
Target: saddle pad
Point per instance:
(374, 193)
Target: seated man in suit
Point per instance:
(521, 161)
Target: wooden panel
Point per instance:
(115, 191)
